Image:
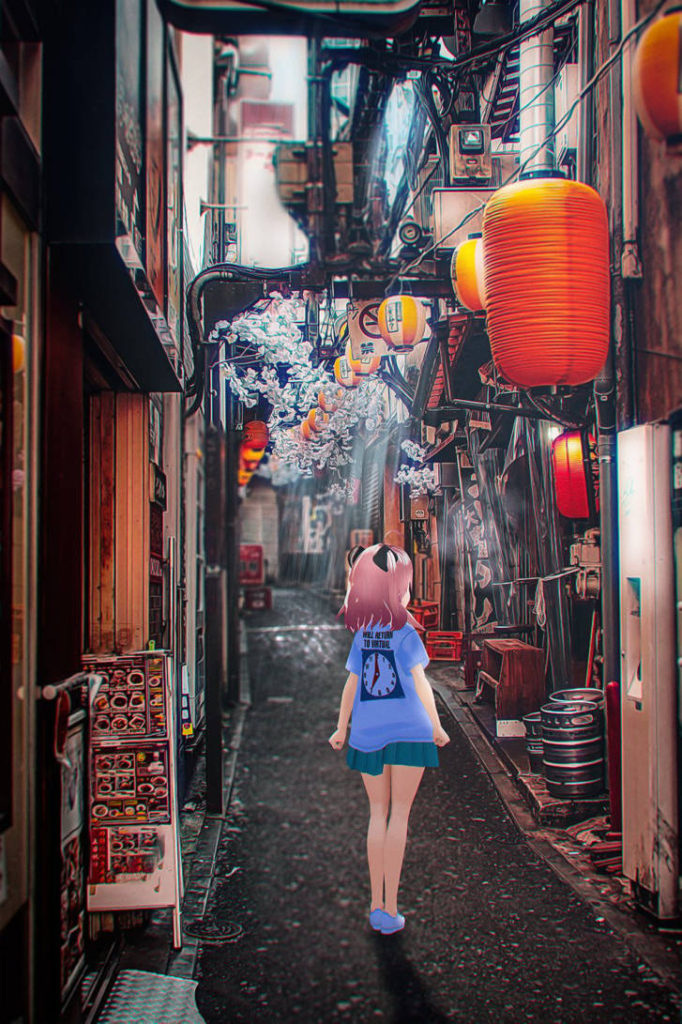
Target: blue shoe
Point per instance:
(385, 923)
(376, 919)
(392, 924)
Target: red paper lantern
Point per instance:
(546, 254)
(657, 79)
(255, 434)
(570, 483)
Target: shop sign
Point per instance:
(129, 133)
(363, 329)
(154, 171)
(174, 311)
(158, 486)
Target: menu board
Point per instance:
(132, 799)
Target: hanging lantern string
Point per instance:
(599, 73)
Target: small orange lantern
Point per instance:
(570, 483)
(402, 322)
(546, 252)
(657, 79)
(18, 353)
(330, 402)
(344, 373)
(317, 420)
(467, 273)
(363, 366)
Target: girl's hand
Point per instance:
(440, 737)
(337, 739)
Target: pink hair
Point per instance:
(374, 595)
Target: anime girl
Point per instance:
(395, 729)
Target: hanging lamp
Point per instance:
(344, 373)
(255, 434)
(468, 273)
(330, 401)
(570, 482)
(546, 255)
(657, 80)
(317, 420)
(365, 365)
(402, 322)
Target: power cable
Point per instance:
(557, 128)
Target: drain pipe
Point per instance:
(536, 96)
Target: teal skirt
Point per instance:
(421, 755)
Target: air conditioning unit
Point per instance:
(456, 213)
(566, 92)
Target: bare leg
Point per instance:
(378, 790)
(405, 781)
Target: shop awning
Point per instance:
(104, 285)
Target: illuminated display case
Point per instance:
(135, 858)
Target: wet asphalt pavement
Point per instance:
(492, 934)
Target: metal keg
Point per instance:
(590, 693)
(533, 724)
(573, 748)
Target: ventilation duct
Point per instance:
(536, 95)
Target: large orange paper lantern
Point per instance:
(657, 79)
(467, 273)
(402, 322)
(570, 482)
(546, 255)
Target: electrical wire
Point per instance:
(557, 128)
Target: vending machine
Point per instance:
(648, 672)
(133, 814)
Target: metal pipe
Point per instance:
(604, 388)
(79, 679)
(630, 263)
(586, 64)
(443, 413)
(536, 97)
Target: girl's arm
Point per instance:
(338, 738)
(425, 694)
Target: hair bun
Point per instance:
(354, 554)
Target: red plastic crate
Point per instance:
(425, 612)
(443, 646)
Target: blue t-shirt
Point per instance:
(387, 708)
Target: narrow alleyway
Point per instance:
(492, 934)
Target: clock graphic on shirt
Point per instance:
(380, 679)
